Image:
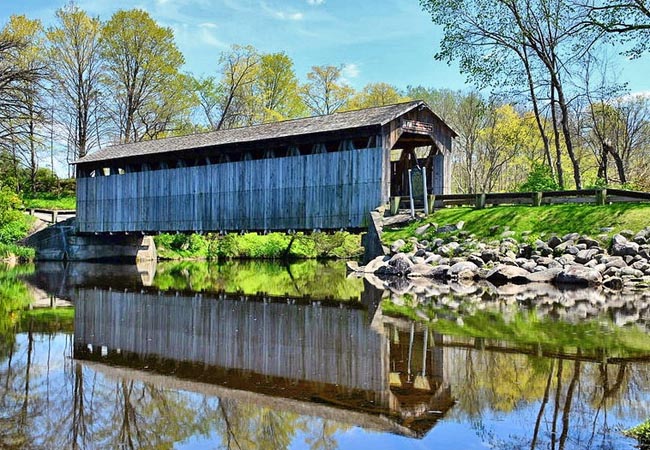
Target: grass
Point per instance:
(539, 221)
(48, 319)
(50, 201)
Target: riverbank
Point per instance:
(519, 245)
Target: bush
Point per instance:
(641, 433)
(540, 179)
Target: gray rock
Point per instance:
(352, 266)
(388, 271)
(589, 242)
(476, 259)
(375, 264)
(419, 270)
(618, 239)
(627, 233)
(614, 261)
(489, 255)
(507, 274)
(571, 237)
(630, 272)
(508, 234)
(419, 231)
(625, 249)
(397, 245)
(579, 275)
(544, 276)
(447, 229)
(584, 256)
(439, 272)
(460, 225)
(432, 258)
(463, 270)
(573, 250)
(401, 263)
(554, 241)
(606, 229)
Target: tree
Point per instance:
(529, 44)
(376, 94)
(142, 72)
(74, 55)
(27, 119)
(325, 92)
(276, 86)
(239, 68)
(625, 19)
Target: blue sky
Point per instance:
(376, 40)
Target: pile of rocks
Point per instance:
(573, 259)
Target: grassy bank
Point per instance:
(257, 246)
(14, 226)
(50, 201)
(538, 221)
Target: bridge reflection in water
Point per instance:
(321, 357)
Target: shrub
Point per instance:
(540, 179)
(641, 433)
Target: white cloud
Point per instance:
(315, 2)
(210, 25)
(350, 70)
(282, 15)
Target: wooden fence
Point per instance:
(595, 196)
(51, 215)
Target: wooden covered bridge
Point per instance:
(324, 172)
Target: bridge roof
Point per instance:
(377, 116)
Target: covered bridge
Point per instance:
(324, 172)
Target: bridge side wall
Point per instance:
(322, 191)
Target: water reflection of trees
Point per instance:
(70, 405)
(565, 402)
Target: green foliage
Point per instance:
(540, 179)
(641, 433)
(258, 246)
(50, 201)
(14, 296)
(14, 225)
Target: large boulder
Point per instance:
(507, 274)
(463, 270)
(579, 275)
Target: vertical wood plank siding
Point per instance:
(314, 343)
(324, 191)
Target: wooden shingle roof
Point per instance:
(377, 116)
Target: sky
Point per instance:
(389, 41)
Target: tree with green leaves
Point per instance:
(276, 86)
(376, 94)
(75, 59)
(142, 66)
(26, 124)
(325, 92)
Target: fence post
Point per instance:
(480, 201)
(394, 205)
(601, 197)
(55, 216)
(537, 198)
(432, 201)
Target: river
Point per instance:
(248, 355)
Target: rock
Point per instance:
(375, 264)
(544, 276)
(447, 229)
(525, 251)
(579, 275)
(449, 249)
(352, 266)
(401, 263)
(584, 256)
(571, 237)
(627, 233)
(507, 274)
(508, 234)
(432, 259)
(573, 250)
(419, 270)
(625, 249)
(397, 245)
(419, 231)
(614, 261)
(463, 270)
(614, 283)
(561, 248)
(388, 271)
(554, 241)
(460, 225)
(589, 242)
(630, 272)
(618, 239)
(489, 255)
(476, 260)
(439, 272)
(606, 229)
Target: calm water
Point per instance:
(244, 356)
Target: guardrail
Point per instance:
(51, 215)
(482, 200)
